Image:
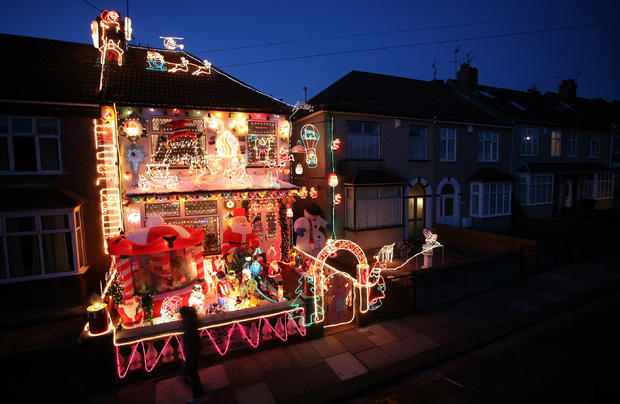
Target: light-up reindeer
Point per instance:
(179, 67)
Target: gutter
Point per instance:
(72, 104)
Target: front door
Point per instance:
(415, 212)
(448, 206)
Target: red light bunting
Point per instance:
(143, 353)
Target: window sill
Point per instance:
(488, 161)
(363, 160)
(447, 161)
(536, 204)
(32, 172)
(375, 228)
(419, 161)
(491, 216)
(43, 277)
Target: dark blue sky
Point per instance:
(514, 62)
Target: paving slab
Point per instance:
(328, 346)
(398, 350)
(258, 393)
(172, 391)
(354, 340)
(375, 358)
(243, 371)
(286, 384)
(214, 377)
(319, 376)
(399, 328)
(302, 355)
(420, 343)
(272, 360)
(378, 334)
(523, 306)
(345, 366)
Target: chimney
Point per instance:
(467, 78)
(568, 90)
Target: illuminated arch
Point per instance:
(319, 275)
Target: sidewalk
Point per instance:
(345, 364)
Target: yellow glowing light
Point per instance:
(299, 169)
(227, 145)
(284, 129)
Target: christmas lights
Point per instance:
(157, 176)
(310, 136)
(295, 324)
(170, 42)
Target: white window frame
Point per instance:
(572, 142)
(482, 191)
(529, 183)
(412, 137)
(528, 142)
(10, 135)
(595, 145)
(601, 186)
(488, 140)
(353, 206)
(79, 266)
(446, 135)
(368, 152)
(556, 143)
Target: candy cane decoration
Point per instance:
(124, 268)
(200, 263)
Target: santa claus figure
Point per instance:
(309, 230)
(239, 238)
(131, 312)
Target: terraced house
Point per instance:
(414, 153)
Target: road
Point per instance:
(573, 358)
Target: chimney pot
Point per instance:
(568, 90)
(467, 78)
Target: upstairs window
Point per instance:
(571, 144)
(447, 144)
(363, 141)
(529, 142)
(417, 143)
(29, 145)
(487, 146)
(595, 145)
(556, 143)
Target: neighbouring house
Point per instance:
(559, 156)
(407, 153)
(50, 232)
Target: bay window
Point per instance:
(41, 244)
(535, 189)
(373, 207)
(598, 186)
(490, 199)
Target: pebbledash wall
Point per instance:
(77, 154)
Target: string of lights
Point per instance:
(424, 43)
(404, 30)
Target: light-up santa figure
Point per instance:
(197, 299)
(239, 238)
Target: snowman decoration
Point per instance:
(309, 230)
